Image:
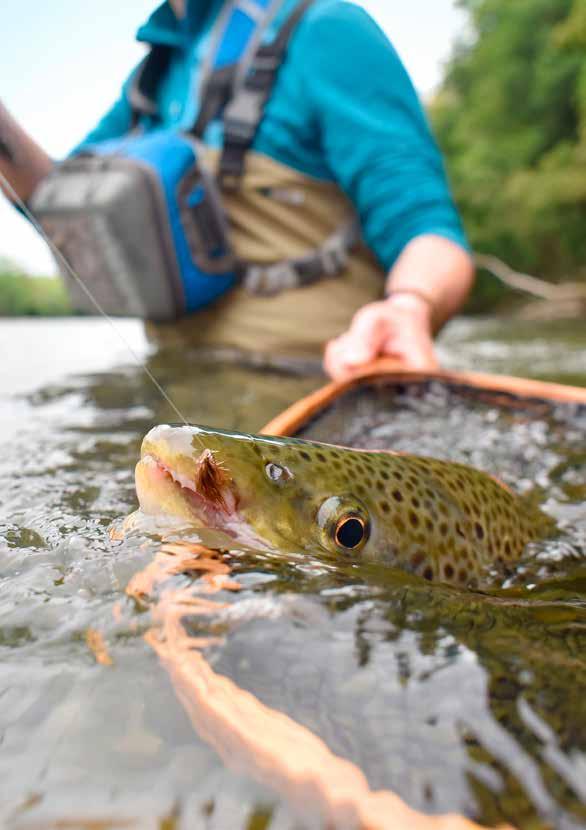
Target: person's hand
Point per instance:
(399, 327)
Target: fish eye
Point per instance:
(277, 474)
(344, 523)
(350, 532)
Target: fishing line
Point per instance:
(61, 258)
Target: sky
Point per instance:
(62, 64)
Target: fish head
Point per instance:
(270, 492)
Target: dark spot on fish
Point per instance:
(463, 576)
(428, 573)
(385, 476)
(397, 495)
(479, 531)
(416, 503)
(399, 524)
(444, 528)
(413, 518)
(417, 560)
(385, 507)
(459, 530)
(429, 524)
(380, 485)
(321, 457)
(305, 455)
(449, 571)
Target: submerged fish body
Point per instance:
(441, 520)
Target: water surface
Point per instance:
(454, 700)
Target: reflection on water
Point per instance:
(456, 701)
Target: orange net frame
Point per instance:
(300, 413)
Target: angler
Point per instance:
(266, 181)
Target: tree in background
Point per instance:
(511, 119)
(23, 295)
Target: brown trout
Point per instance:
(441, 520)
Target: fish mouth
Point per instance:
(175, 480)
(207, 494)
(178, 476)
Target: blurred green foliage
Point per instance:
(511, 119)
(23, 295)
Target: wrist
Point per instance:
(414, 302)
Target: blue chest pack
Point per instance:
(141, 220)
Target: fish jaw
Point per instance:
(187, 472)
(162, 490)
(175, 479)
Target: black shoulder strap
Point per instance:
(244, 112)
(216, 94)
(218, 84)
(143, 89)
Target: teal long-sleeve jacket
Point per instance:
(343, 109)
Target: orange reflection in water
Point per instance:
(250, 737)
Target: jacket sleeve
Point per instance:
(374, 133)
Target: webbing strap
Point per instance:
(244, 18)
(143, 88)
(244, 112)
(235, 38)
(328, 260)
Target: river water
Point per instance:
(456, 701)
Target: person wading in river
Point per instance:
(341, 134)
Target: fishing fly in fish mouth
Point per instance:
(441, 520)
